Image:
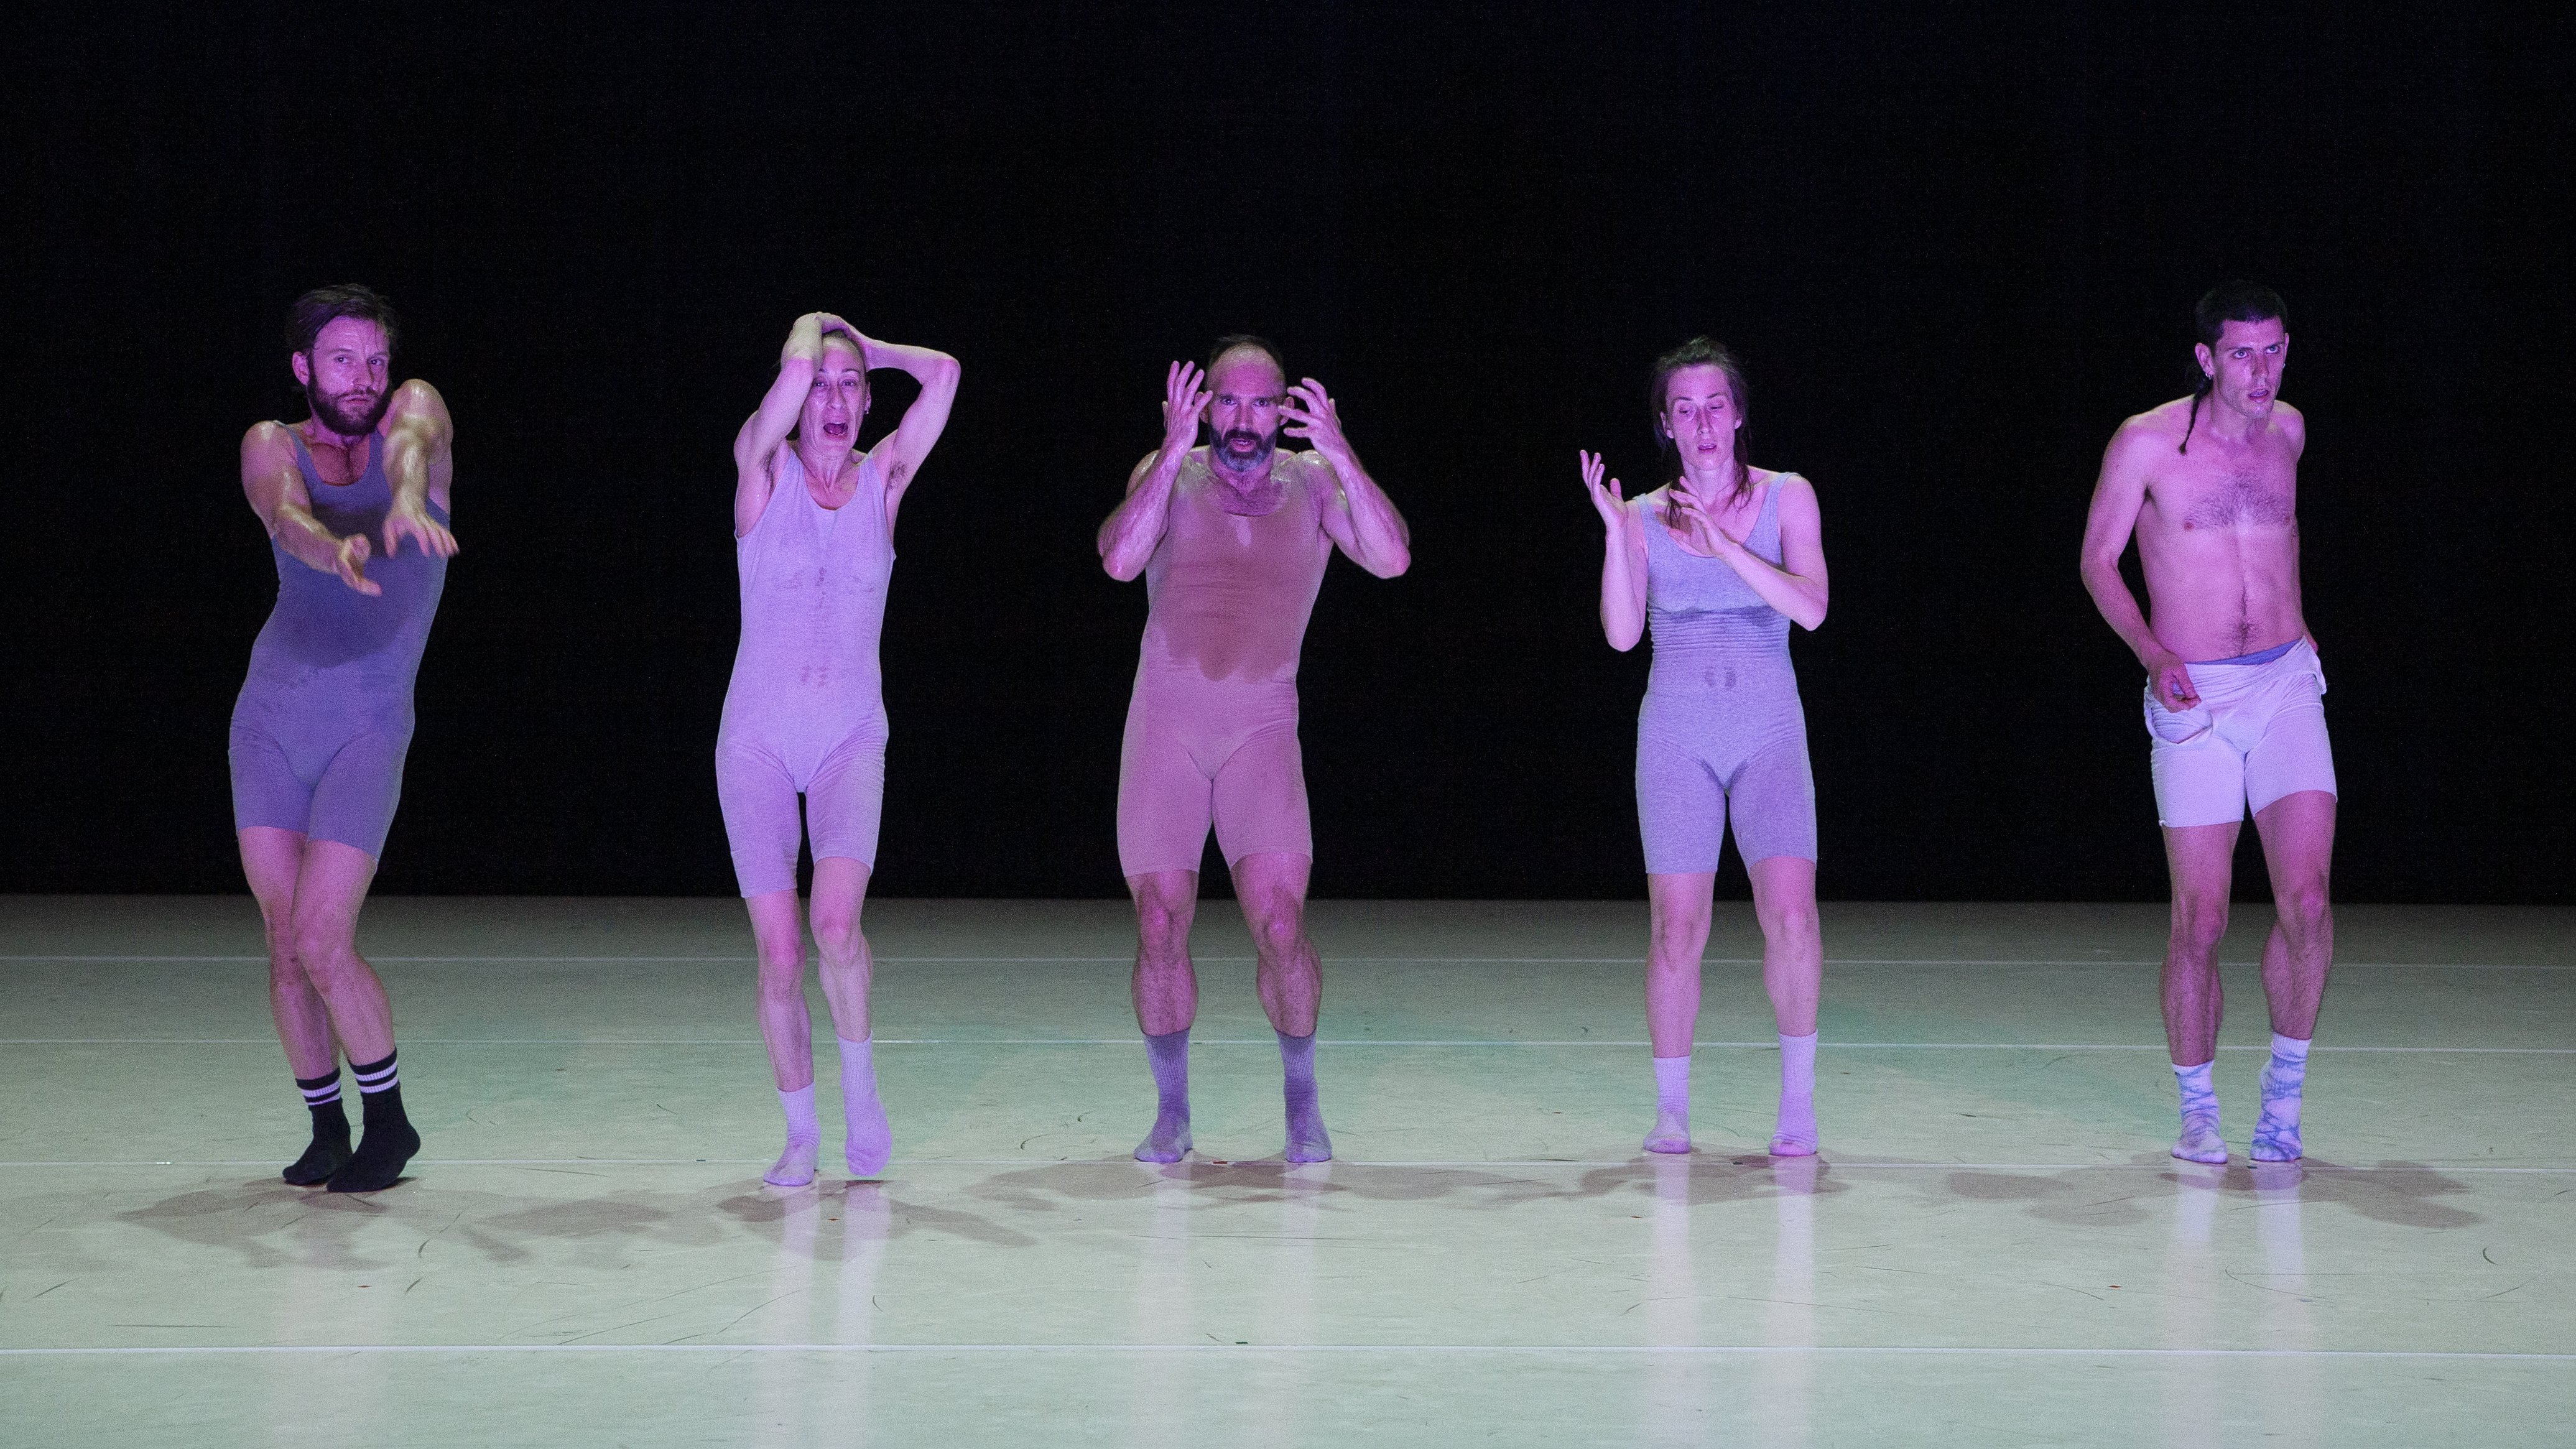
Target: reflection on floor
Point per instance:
(1993, 1248)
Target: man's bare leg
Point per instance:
(271, 860)
(1166, 990)
(2297, 832)
(787, 1029)
(2202, 861)
(840, 894)
(1290, 981)
(1677, 909)
(331, 881)
(1793, 973)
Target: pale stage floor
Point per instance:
(1993, 1249)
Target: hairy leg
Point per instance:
(1290, 981)
(1165, 988)
(271, 861)
(2297, 832)
(330, 888)
(1290, 978)
(2202, 861)
(2298, 846)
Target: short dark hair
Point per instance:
(1702, 351)
(1238, 341)
(2236, 301)
(318, 308)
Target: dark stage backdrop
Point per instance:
(1957, 244)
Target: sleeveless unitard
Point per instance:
(325, 715)
(1211, 734)
(805, 712)
(1721, 725)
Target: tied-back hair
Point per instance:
(2237, 301)
(1702, 351)
(322, 306)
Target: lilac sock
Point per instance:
(1307, 1139)
(1795, 1136)
(2199, 1141)
(1169, 1056)
(1672, 1105)
(868, 1144)
(2285, 1078)
(795, 1166)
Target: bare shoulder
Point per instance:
(2293, 425)
(416, 400)
(2163, 423)
(1317, 473)
(267, 440)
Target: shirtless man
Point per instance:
(1232, 538)
(2235, 714)
(325, 716)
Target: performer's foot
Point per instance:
(2285, 1080)
(795, 1166)
(1169, 1141)
(870, 1144)
(1795, 1136)
(379, 1160)
(2200, 1141)
(1671, 1134)
(1307, 1139)
(322, 1157)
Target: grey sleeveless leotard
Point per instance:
(325, 716)
(805, 711)
(1721, 725)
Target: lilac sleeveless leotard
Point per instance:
(325, 715)
(1211, 734)
(805, 713)
(1721, 725)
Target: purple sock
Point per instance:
(1307, 1139)
(1169, 1056)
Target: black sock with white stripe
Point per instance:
(329, 1149)
(389, 1141)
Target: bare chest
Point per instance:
(2252, 496)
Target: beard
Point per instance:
(344, 415)
(1221, 450)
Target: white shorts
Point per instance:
(2258, 733)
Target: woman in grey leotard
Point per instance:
(1719, 561)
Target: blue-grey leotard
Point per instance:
(325, 717)
(1721, 726)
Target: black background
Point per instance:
(1956, 244)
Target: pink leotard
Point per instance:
(1212, 727)
(805, 713)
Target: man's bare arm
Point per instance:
(2118, 495)
(275, 488)
(769, 425)
(1131, 532)
(420, 464)
(1361, 520)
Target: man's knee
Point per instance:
(1278, 927)
(1678, 930)
(1163, 914)
(2199, 924)
(322, 949)
(1792, 922)
(2304, 910)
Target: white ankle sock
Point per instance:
(1672, 1084)
(2285, 1078)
